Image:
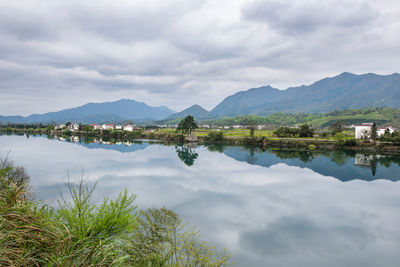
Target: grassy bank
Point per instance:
(259, 138)
(80, 233)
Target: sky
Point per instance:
(66, 53)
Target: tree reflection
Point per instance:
(339, 157)
(305, 156)
(374, 164)
(215, 147)
(186, 154)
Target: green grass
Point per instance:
(227, 132)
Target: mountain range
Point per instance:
(118, 111)
(344, 91)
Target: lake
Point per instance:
(268, 208)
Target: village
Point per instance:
(361, 131)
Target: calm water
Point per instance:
(271, 208)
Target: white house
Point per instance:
(128, 127)
(73, 127)
(107, 126)
(381, 130)
(238, 126)
(96, 126)
(59, 126)
(118, 127)
(363, 130)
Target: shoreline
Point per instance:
(258, 142)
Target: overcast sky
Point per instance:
(65, 53)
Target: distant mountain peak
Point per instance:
(196, 106)
(195, 110)
(346, 73)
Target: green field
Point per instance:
(348, 134)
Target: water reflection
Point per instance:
(268, 208)
(344, 165)
(187, 154)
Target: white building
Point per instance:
(107, 126)
(128, 127)
(118, 127)
(59, 126)
(96, 126)
(363, 130)
(73, 127)
(381, 130)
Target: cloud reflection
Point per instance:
(278, 215)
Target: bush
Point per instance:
(339, 136)
(287, 132)
(215, 136)
(350, 142)
(305, 130)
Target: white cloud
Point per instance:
(183, 52)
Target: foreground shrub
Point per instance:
(80, 233)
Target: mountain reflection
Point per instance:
(344, 165)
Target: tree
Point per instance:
(187, 125)
(374, 134)
(251, 131)
(336, 127)
(306, 131)
(287, 132)
(339, 136)
(87, 128)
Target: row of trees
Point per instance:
(304, 130)
(390, 137)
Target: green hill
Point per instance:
(344, 91)
(381, 116)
